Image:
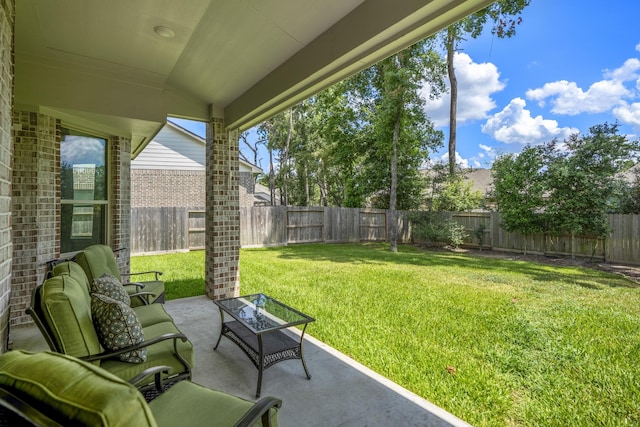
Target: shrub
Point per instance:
(436, 229)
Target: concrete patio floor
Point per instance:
(341, 392)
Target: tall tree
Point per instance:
(398, 132)
(584, 182)
(564, 188)
(504, 15)
(518, 190)
(630, 203)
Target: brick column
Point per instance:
(35, 205)
(7, 19)
(222, 235)
(120, 199)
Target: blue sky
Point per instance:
(572, 64)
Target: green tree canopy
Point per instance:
(567, 187)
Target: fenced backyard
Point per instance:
(496, 342)
(157, 230)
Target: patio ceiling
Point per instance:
(100, 66)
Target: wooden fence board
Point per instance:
(373, 225)
(341, 225)
(263, 226)
(623, 245)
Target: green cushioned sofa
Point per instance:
(45, 389)
(61, 307)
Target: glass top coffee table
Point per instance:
(256, 326)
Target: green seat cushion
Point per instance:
(118, 327)
(201, 406)
(152, 314)
(67, 311)
(74, 270)
(77, 393)
(110, 286)
(96, 260)
(158, 354)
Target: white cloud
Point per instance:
(488, 151)
(629, 114)
(569, 99)
(464, 163)
(628, 71)
(514, 124)
(638, 47)
(477, 82)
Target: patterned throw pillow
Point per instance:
(111, 287)
(117, 326)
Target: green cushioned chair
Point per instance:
(46, 389)
(97, 260)
(61, 307)
(149, 314)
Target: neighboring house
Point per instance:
(170, 172)
(479, 178)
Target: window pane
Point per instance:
(83, 168)
(83, 181)
(82, 225)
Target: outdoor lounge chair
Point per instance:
(97, 260)
(44, 389)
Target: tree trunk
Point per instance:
(285, 162)
(272, 179)
(393, 193)
(307, 197)
(453, 106)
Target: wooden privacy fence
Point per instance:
(281, 225)
(178, 229)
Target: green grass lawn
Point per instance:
(495, 342)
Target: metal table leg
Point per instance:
(261, 365)
(221, 328)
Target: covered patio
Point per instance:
(341, 392)
(114, 71)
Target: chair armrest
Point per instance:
(144, 296)
(146, 343)
(258, 411)
(137, 285)
(157, 372)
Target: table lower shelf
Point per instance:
(276, 345)
(263, 350)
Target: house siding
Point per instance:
(170, 172)
(7, 19)
(172, 149)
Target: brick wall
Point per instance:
(159, 188)
(7, 16)
(222, 242)
(35, 205)
(247, 187)
(120, 199)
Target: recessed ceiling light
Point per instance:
(163, 31)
